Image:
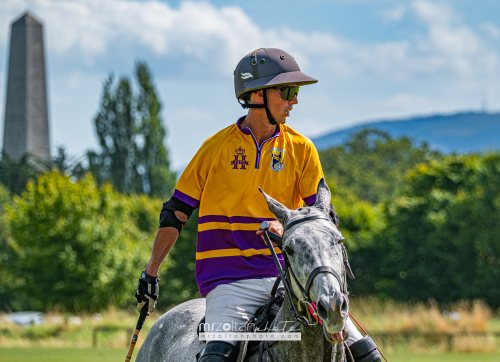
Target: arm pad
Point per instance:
(167, 214)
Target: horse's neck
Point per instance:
(309, 349)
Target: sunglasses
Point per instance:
(288, 92)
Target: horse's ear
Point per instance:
(323, 196)
(281, 212)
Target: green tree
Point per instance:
(5, 297)
(115, 129)
(441, 240)
(371, 164)
(66, 165)
(153, 161)
(74, 245)
(15, 174)
(360, 224)
(131, 135)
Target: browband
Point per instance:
(293, 223)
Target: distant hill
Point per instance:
(462, 132)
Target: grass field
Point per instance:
(41, 354)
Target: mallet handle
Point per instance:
(140, 323)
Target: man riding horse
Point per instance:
(234, 268)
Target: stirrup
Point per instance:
(365, 350)
(218, 351)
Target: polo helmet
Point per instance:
(266, 68)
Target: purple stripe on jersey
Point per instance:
(233, 219)
(217, 239)
(186, 198)
(309, 200)
(224, 270)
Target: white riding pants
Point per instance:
(230, 306)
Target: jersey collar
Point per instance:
(248, 132)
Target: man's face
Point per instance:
(280, 108)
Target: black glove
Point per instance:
(333, 215)
(147, 292)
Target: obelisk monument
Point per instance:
(26, 127)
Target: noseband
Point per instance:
(303, 309)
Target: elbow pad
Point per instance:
(167, 214)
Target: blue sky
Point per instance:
(374, 59)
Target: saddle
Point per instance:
(263, 317)
(261, 321)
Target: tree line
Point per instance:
(75, 233)
(418, 225)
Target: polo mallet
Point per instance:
(138, 327)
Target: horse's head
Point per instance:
(309, 245)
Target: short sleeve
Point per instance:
(311, 174)
(190, 186)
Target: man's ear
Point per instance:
(258, 96)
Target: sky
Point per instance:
(374, 59)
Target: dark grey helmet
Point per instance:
(265, 68)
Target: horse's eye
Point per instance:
(288, 250)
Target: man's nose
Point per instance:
(294, 100)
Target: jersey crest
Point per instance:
(277, 156)
(240, 152)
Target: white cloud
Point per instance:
(91, 27)
(446, 34)
(395, 14)
(437, 66)
(211, 40)
(491, 29)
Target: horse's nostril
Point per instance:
(344, 308)
(322, 311)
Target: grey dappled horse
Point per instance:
(309, 245)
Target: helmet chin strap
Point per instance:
(269, 116)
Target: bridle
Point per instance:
(302, 309)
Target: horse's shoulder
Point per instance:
(174, 334)
(186, 313)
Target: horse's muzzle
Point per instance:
(333, 309)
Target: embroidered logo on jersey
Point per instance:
(277, 155)
(240, 152)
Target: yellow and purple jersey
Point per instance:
(223, 181)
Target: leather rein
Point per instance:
(302, 309)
